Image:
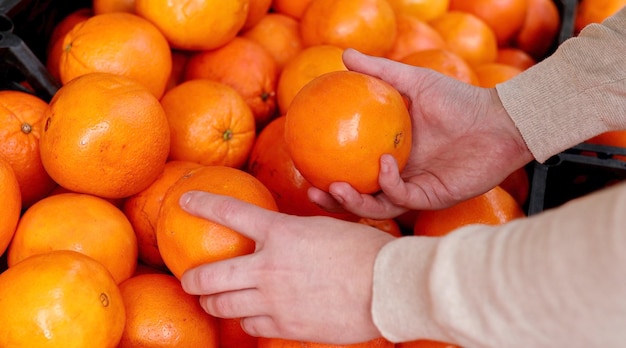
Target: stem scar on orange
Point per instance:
(186, 241)
(339, 125)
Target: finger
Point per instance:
(220, 276)
(246, 218)
(260, 326)
(364, 205)
(380, 67)
(234, 304)
(324, 200)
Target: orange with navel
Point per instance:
(284, 343)
(505, 17)
(118, 43)
(159, 313)
(210, 123)
(142, 210)
(21, 125)
(271, 163)
(443, 61)
(339, 125)
(60, 299)
(244, 65)
(308, 64)
(79, 222)
(279, 34)
(197, 25)
(54, 50)
(11, 203)
(187, 241)
(368, 26)
(468, 36)
(414, 35)
(106, 135)
(491, 74)
(493, 207)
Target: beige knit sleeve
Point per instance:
(578, 92)
(556, 279)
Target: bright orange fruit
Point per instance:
(414, 35)
(159, 313)
(210, 123)
(283, 343)
(443, 61)
(339, 125)
(186, 241)
(79, 222)
(60, 299)
(11, 203)
(106, 135)
(425, 344)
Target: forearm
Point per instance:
(578, 92)
(556, 279)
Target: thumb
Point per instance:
(248, 219)
(392, 72)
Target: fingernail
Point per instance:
(185, 198)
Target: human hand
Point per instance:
(464, 143)
(309, 279)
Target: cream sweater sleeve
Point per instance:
(557, 279)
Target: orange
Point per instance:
(595, 11)
(21, 123)
(210, 123)
(505, 17)
(425, 10)
(270, 162)
(79, 222)
(517, 184)
(159, 313)
(279, 34)
(186, 241)
(610, 138)
(413, 35)
(54, 49)
(11, 203)
(339, 125)
(60, 299)
(283, 343)
(387, 225)
(292, 8)
(493, 207)
(540, 29)
(142, 210)
(425, 344)
(197, 25)
(257, 9)
(490, 74)
(443, 61)
(365, 25)
(106, 6)
(106, 135)
(515, 57)
(232, 335)
(468, 36)
(118, 43)
(308, 64)
(247, 67)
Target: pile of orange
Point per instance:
(158, 98)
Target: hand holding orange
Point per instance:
(339, 125)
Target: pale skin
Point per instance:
(310, 278)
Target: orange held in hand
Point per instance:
(339, 125)
(106, 135)
(60, 299)
(186, 241)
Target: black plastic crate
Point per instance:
(573, 173)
